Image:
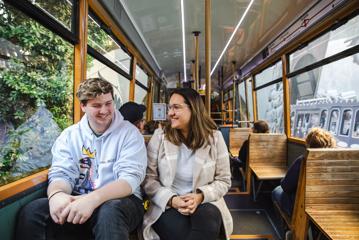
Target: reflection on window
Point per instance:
(333, 124)
(346, 122)
(269, 74)
(104, 44)
(121, 85)
(242, 103)
(249, 98)
(140, 95)
(61, 10)
(333, 42)
(141, 76)
(36, 88)
(270, 106)
(356, 125)
(323, 118)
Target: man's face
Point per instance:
(99, 112)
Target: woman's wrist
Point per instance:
(171, 200)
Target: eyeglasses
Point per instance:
(176, 107)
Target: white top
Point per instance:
(183, 181)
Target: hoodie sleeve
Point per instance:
(132, 162)
(63, 166)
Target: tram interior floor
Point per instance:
(256, 220)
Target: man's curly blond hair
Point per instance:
(320, 138)
(93, 87)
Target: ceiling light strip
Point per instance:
(234, 32)
(183, 43)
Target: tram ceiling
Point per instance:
(159, 24)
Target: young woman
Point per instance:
(187, 175)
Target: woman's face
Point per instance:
(179, 112)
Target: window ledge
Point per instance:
(23, 184)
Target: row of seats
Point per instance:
(328, 189)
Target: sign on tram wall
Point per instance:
(159, 111)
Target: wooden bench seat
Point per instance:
(267, 158)
(332, 192)
(237, 136)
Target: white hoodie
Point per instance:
(89, 162)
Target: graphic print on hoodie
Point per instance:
(85, 184)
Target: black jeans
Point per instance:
(205, 223)
(114, 219)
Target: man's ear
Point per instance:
(82, 106)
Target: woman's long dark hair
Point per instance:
(201, 124)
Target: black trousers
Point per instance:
(205, 223)
(114, 219)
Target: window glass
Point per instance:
(323, 119)
(346, 122)
(270, 106)
(242, 103)
(36, 92)
(121, 85)
(334, 119)
(61, 10)
(104, 44)
(140, 95)
(334, 84)
(355, 133)
(249, 98)
(141, 76)
(333, 42)
(269, 74)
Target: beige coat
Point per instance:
(211, 174)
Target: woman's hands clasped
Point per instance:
(188, 203)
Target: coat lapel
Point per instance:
(201, 155)
(171, 153)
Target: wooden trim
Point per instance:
(254, 98)
(286, 102)
(150, 95)
(23, 184)
(254, 236)
(131, 96)
(110, 23)
(296, 140)
(80, 56)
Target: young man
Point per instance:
(97, 167)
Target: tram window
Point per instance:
(269, 74)
(314, 121)
(140, 95)
(249, 98)
(141, 76)
(323, 118)
(298, 127)
(356, 125)
(333, 124)
(107, 46)
(121, 85)
(61, 10)
(327, 45)
(346, 122)
(270, 106)
(243, 103)
(37, 95)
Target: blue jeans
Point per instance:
(114, 219)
